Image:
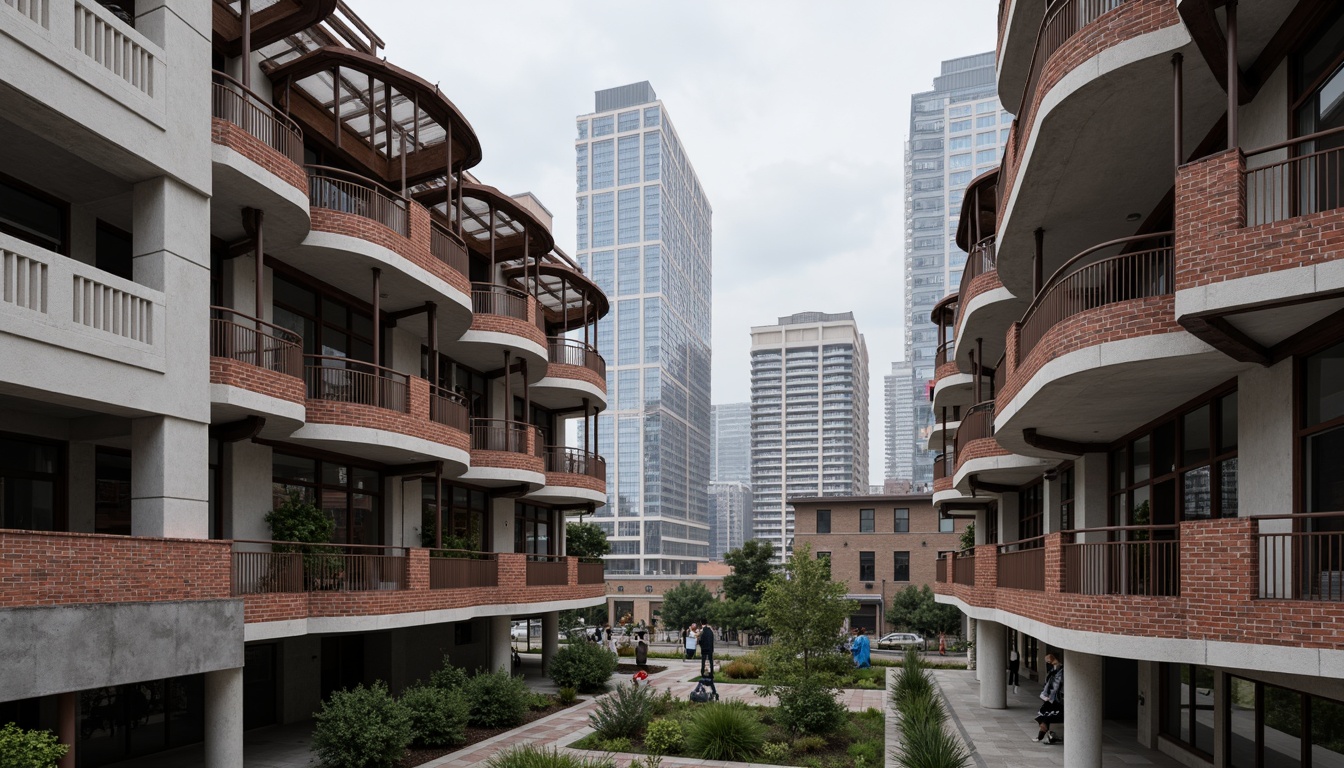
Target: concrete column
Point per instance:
(1265, 439)
(169, 478)
(550, 638)
(992, 664)
(224, 718)
(1148, 723)
(500, 644)
(67, 727)
(82, 458)
(501, 523)
(1050, 498)
(1009, 514)
(1082, 708)
(1090, 501)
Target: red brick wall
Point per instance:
(1219, 582)
(945, 370)
(416, 423)
(233, 373)
(229, 135)
(1213, 243)
(414, 248)
(576, 481)
(942, 484)
(981, 283)
(983, 448)
(38, 568)
(511, 325)
(578, 372)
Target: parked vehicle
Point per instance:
(902, 640)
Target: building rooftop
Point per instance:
(623, 96)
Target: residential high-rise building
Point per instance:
(1143, 398)
(809, 417)
(957, 132)
(898, 409)
(730, 443)
(644, 235)
(219, 324)
(730, 509)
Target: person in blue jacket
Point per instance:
(860, 649)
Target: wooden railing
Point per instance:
(449, 248)
(233, 102)
(341, 379)
(565, 351)
(504, 435)
(261, 567)
(976, 424)
(940, 571)
(1063, 19)
(547, 571)
(1141, 560)
(1301, 556)
(461, 569)
(336, 190)
(1310, 180)
(1142, 270)
(592, 573)
(1021, 564)
(963, 568)
(575, 461)
(490, 299)
(449, 409)
(255, 342)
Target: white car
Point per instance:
(902, 640)
(519, 631)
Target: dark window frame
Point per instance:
(870, 566)
(823, 514)
(46, 197)
(897, 565)
(897, 518)
(868, 524)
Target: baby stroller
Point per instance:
(701, 694)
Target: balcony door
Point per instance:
(32, 484)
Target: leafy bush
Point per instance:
(584, 666)
(497, 699)
(740, 670)
(438, 716)
(664, 737)
(724, 731)
(625, 651)
(531, 756)
(362, 728)
(35, 749)
(775, 752)
(804, 744)
(869, 752)
(567, 695)
(624, 712)
(538, 702)
(619, 744)
(664, 703)
(809, 706)
(448, 677)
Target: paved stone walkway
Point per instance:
(1002, 738)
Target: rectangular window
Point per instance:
(986, 139)
(627, 333)
(653, 153)
(604, 219)
(1003, 135)
(867, 566)
(581, 167)
(652, 329)
(583, 129)
(984, 106)
(985, 121)
(946, 525)
(34, 217)
(959, 142)
(901, 569)
(1066, 500)
(823, 521)
(961, 110)
(826, 558)
(865, 521)
(959, 179)
(627, 121)
(582, 222)
(604, 271)
(602, 126)
(653, 196)
(955, 161)
(627, 271)
(986, 156)
(627, 216)
(1186, 706)
(627, 160)
(959, 125)
(902, 519)
(653, 263)
(651, 117)
(604, 164)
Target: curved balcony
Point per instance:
(1099, 351)
(504, 320)
(985, 309)
(380, 414)
(575, 372)
(506, 453)
(256, 369)
(984, 465)
(573, 476)
(943, 431)
(257, 154)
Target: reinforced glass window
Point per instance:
(604, 271)
(825, 557)
(602, 126)
(651, 117)
(582, 222)
(1186, 708)
(351, 496)
(627, 222)
(627, 121)
(1030, 513)
(1321, 432)
(653, 153)
(901, 516)
(627, 271)
(901, 566)
(627, 160)
(653, 263)
(604, 163)
(581, 166)
(866, 520)
(867, 566)
(32, 472)
(465, 513)
(986, 139)
(627, 333)
(604, 219)
(33, 216)
(627, 388)
(986, 156)
(959, 125)
(1066, 492)
(533, 530)
(1268, 726)
(823, 521)
(652, 329)
(959, 142)
(653, 196)
(583, 129)
(985, 121)
(955, 161)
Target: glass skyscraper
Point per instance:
(957, 132)
(644, 235)
(730, 443)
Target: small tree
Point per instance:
(804, 610)
(298, 520)
(751, 570)
(686, 603)
(738, 615)
(586, 540)
(915, 609)
(968, 537)
(905, 607)
(35, 749)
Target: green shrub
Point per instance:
(497, 699)
(804, 744)
(567, 696)
(438, 717)
(539, 702)
(740, 670)
(618, 744)
(583, 666)
(624, 712)
(664, 703)
(664, 737)
(724, 731)
(869, 752)
(531, 756)
(448, 677)
(30, 749)
(809, 706)
(776, 752)
(361, 728)
(927, 744)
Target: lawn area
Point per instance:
(860, 741)
(873, 679)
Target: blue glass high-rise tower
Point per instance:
(644, 235)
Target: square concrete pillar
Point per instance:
(1009, 514)
(1050, 490)
(224, 718)
(169, 478)
(1091, 498)
(501, 525)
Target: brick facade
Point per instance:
(414, 248)
(254, 378)
(576, 372)
(512, 326)
(416, 423)
(983, 448)
(227, 134)
(569, 480)
(981, 283)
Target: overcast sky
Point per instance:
(794, 115)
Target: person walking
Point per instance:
(942, 644)
(1052, 700)
(691, 641)
(1014, 663)
(861, 649)
(706, 642)
(642, 653)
